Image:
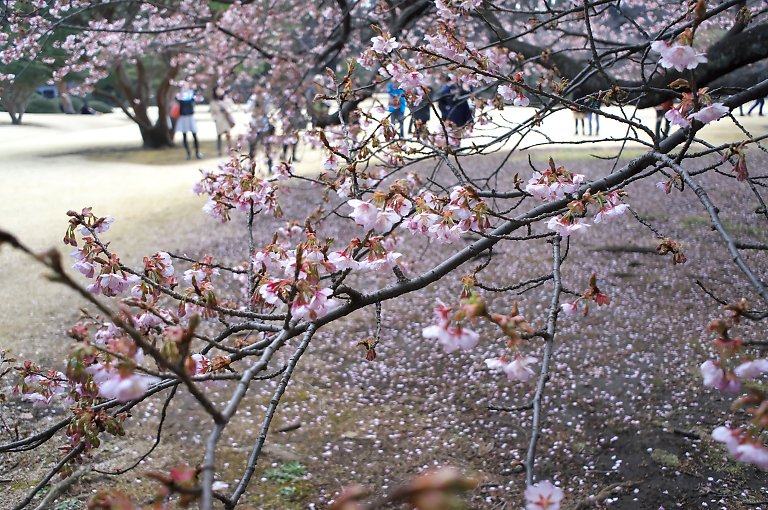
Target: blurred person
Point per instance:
(396, 106)
(221, 108)
(186, 121)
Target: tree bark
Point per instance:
(66, 101)
(157, 136)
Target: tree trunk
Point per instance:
(156, 137)
(15, 118)
(64, 99)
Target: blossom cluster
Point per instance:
(514, 92)
(699, 107)
(609, 207)
(234, 186)
(592, 294)
(554, 183)
(735, 372)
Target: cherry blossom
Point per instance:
(314, 304)
(677, 56)
(728, 436)
(452, 338)
(543, 496)
(751, 369)
(384, 44)
(715, 377)
(710, 113)
(125, 388)
(742, 446)
(676, 118)
(112, 284)
(364, 213)
(610, 208)
(567, 225)
(516, 370)
(553, 184)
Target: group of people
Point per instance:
(452, 102)
(585, 112)
(183, 116)
(260, 132)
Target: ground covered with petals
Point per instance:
(628, 420)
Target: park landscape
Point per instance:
(365, 389)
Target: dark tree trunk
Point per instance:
(155, 134)
(15, 118)
(156, 137)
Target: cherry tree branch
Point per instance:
(549, 339)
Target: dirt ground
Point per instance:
(625, 403)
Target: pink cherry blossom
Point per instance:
(385, 220)
(318, 304)
(421, 223)
(381, 262)
(665, 186)
(384, 44)
(753, 452)
(566, 227)
(610, 211)
(715, 377)
(729, 437)
(676, 118)
(751, 369)
(445, 232)
(331, 162)
(127, 388)
(543, 496)
(521, 100)
(273, 290)
(341, 261)
(452, 338)
(497, 363)
(364, 213)
(677, 56)
(518, 370)
(569, 308)
(710, 113)
(112, 284)
(87, 269)
(507, 92)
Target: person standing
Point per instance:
(661, 111)
(445, 97)
(759, 103)
(261, 129)
(421, 114)
(396, 106)
(221, 108)
(186, 121)
(460, 113)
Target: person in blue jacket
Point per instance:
(396, 106)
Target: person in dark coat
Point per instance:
(421, 114)
(454, 104)
(445, 97)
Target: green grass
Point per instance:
(290, 472)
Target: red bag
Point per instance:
(175, 110)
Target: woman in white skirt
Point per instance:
(221, 107)
(186, 121)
